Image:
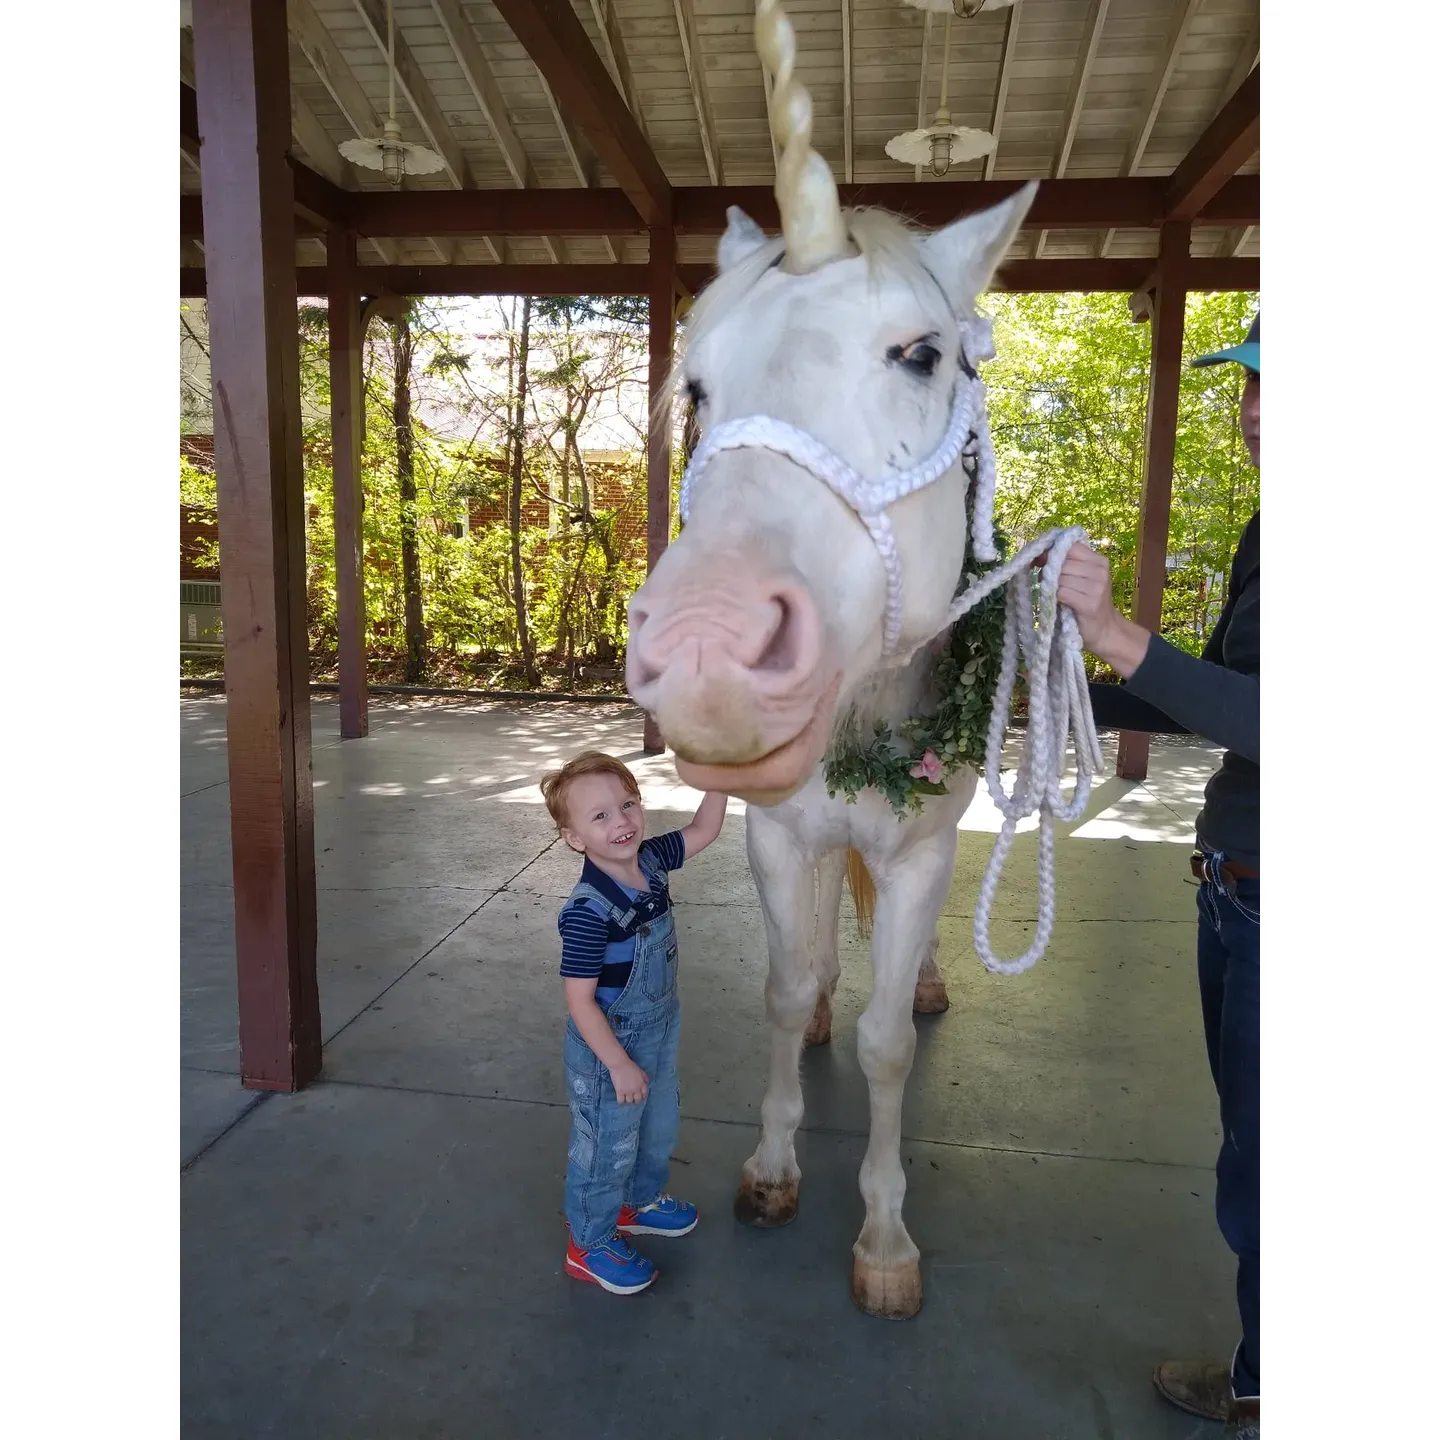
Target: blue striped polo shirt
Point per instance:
(592, 946)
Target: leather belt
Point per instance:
(1230, 869)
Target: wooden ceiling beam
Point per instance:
(1229, 140)
(556, 41)
(699, 89)
(1002, 85)
(1182, 15)
(583, 160)
(1137, 203)
(322, 54)
(1245, 61)
(617, 58)
(1034, 276)
(320, 49)
(1075, 100)
(485, 88)
(495, 212)
(1233, 241)
(321, 151)
(411, 82)
(465, 46)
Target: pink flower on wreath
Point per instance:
(927, 768)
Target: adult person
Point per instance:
(1216, 696)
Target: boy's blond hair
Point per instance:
(555, 786)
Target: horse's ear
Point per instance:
(742, 237)
(964, 256)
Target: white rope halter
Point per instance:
(1051, 651)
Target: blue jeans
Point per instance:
(620, 1154)
(1229, 965)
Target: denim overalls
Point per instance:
(620, 1154)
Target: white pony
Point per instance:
(794, 610)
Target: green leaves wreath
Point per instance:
(908, 767)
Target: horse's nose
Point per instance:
(725, 658)
(766, 630)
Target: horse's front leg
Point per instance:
(885, 1276)
(826, 959)
(769, 1191)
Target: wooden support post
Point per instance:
(662, 350)
(347, 439)
(242, 71)
(1162, 410)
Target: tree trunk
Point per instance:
(517, 474)
(405, 469)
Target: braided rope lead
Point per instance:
(1059, 706)
(1049, 645)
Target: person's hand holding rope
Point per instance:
(1085, 587)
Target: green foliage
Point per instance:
(197, 485)
(1067, 396)
(965, 678)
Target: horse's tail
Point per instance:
(862, 890)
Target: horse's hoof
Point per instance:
(767, 1204)
(931, 997)
(889, 1292)
(817, 1032)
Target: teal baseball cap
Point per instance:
(1247, 353)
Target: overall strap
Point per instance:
(586, 894)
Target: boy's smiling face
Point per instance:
(606, 821)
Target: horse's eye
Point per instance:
(695, 393)
(919, 357)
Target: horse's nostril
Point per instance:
(781, 652)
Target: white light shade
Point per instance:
(913, 147)
(963, 8)
(393, 156)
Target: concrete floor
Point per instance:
(380, 1256)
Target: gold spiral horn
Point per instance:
(804, 187)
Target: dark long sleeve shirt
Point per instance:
(1217, 697)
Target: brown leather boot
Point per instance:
(1242, 1420)
(1199, 1387)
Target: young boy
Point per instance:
(618, 959)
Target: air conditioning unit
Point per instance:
(200, 631)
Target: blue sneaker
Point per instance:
(612, 1265)
(665, 1215)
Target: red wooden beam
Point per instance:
(1137, 203)
(1230, 139)
(1162, 413)
(242, 63)
(555, 40)
(192, 214)
(1123, 275)
(493, 212)
(347, 431)
(1033, 276)
(1088, 204)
